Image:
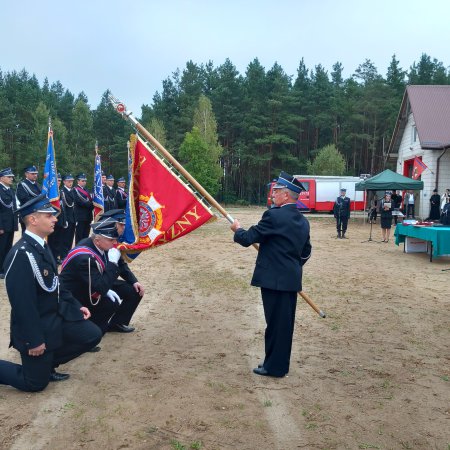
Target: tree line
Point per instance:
(234, 131)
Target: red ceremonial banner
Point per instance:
(161, 207)
(418, 168)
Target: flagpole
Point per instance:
(121, 109)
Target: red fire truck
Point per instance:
(322, 191)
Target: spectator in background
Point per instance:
(396, 203)
(341, 212)
(373, 211)
(445, 198)
(435, 206)
(386, 216)
(410, 204)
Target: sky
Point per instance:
(130, 47)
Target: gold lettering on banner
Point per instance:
(177, 228)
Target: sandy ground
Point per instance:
(373, 374)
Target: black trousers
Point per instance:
(108, 313)
(34, 373)
(6, 240)
(67, 239)
(279, 311)
(82, 230)
(341, 224)
(410, 211)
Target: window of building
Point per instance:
(414, 134)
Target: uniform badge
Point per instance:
(45, 272)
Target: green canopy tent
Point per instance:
(388, 180)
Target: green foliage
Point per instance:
(255, 124)
(201, 161)
(329, 161)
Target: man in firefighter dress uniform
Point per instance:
(49, 326)
(91, 271)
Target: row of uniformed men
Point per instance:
(76, 208)
(56, 318)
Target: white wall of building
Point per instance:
(409, 148)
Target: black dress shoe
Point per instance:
(121, 328)
(95, 349)
(56, 376)
(264, 373)
(2, 275)
(260, 365)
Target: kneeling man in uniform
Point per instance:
(90, 272)
(48, 325)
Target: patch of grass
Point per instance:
(68, 406)
(267, 403)
(334, 327)
(445, 378)
(176, 445)
(311, 426)
(196, 445)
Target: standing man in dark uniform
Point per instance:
(83, 208)
(397, 201)
(28, 188)
(68, 200)
(109, 194)
(48, 326)
(121, 194)
(56, 239)
(8, 218)
(90, 273)
(342, 213)
(283, 234)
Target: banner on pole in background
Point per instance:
(418, 168)
(97, 198)
(50, 183)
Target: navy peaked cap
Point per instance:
(106, 228)
(37, 204)
(30, 169)
(117, 215)
(121, 180)
(288, 181)
(110, 177)
(81, 176)
(68, 177)
(6, 172)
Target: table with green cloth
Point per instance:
(438, 236)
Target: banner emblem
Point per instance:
(150, 218)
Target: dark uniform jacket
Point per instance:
(75, 274)
(8, 220)
(26, 190)
(283, 234)
(68, 200)
(121, 198)
(109, 198)
(83, 204)
(342, 207)
(37, 311)
(62, 221)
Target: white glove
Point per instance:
(114, 255)
(113, 296)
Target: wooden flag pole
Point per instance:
(121, 109)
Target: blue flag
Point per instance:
(50, 183)
(99, 203)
